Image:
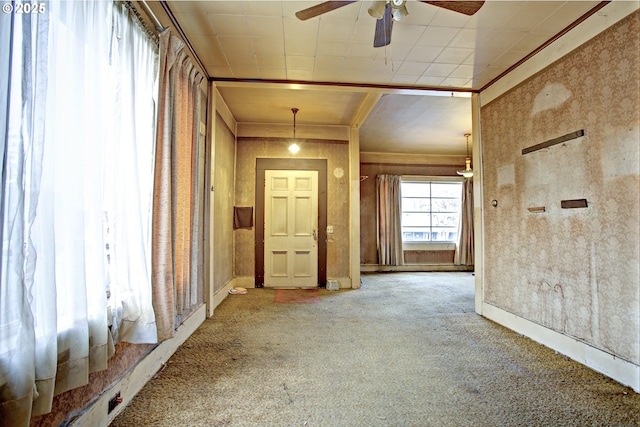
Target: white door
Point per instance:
(291, 229)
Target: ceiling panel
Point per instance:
(265, 46)
(450, 118)
(230, 25)
(265, 26)
(431, 48)
(252, 104)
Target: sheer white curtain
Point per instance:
(389, 220)
(23, 52)
(76, 199)
(130, 160)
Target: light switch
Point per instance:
(329, 229)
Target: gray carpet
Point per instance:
(405, 350)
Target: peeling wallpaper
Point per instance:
(575, 271)
(337, 155)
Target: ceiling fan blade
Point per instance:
(321, 8)
(465, 7)
(382, 36)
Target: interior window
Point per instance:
(430, 210)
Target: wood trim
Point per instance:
(184, 38)
(323, 85)
(300, 140)
(130, 383)
(611, 365)
(554, 141)
(573, 204)
(411, 159)
(319, 165)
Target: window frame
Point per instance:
(430, 245)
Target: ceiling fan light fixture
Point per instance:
(467, 172)
(399, 12)
(376, 10)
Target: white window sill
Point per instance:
(428, 246)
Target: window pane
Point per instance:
(446, 189)
(441, 234)
(430, 211)
(415, 189)
(445, 219)
(445, 205)
(416, 236)
(412, 219)
(416, 205)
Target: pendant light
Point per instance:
(467, 172)
(294, 148)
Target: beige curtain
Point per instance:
(464, 248)
(178, 187)
(198, 174)
(389, 220)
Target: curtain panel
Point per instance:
(76, 193)
(23, 360)
(179, 185)
(464, 248)
(389, 217)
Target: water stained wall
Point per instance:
(575, 271)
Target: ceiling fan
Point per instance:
(387, 11)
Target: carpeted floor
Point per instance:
(296, 296)
(405, 350)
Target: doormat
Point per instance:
(296, 296)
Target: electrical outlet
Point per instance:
(113, 402)
(329, 229)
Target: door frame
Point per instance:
(319, 165)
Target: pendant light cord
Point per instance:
(295, 111)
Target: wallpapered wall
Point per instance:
(337, 155)
(368, 231)
(572, 270)
(223, 204)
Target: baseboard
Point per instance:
(244, 282)
(608, 364)
(130, 384)
(219, 296)
(370, 268)
(249, 282)
(343, 282)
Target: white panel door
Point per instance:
(291, 229)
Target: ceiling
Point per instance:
(412, 96)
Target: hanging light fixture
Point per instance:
(467, 172)
(377, 9)
(399, 10)
(294, 148)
